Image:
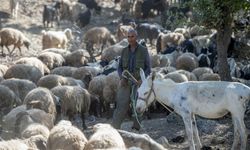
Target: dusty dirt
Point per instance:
(218, 134)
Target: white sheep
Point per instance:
(183, 31)
(176, 77)
(67, 137)
(35, 129)
(51, 60)
(74, 99)
(160, 60)
(10, 36)
(42, 98)
(53, 80)
(99, 36)
(113, 51)
(20, 87)
(139, 141)
(23, 71)
(190, 76)
(16, 144)
(56, 39)
(105, 137)
(32, 143)
(60, 51)
(34, 61)
(36, 142)
(170, 58)
(14, 4)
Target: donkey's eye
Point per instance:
(145, 93)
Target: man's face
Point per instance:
(132, 38)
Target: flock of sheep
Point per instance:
(39, 92)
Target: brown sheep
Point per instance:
(42, 98)
(52, 80)
(65, 71)
(187, 61)
(23, 71)
(10, 36)
(99, 36)
(33, 61)
(77, 58)
(74, 99)
(51, 60)
(20, 87)
(210, 77)
(198, 72)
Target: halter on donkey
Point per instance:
(209, 99)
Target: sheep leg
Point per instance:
(12, 50)
(83, 121)
(20, 51)
(2, 50)
(8, 49)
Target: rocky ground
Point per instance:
(217, 134)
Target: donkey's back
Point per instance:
(213, 99)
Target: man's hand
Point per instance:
(123, 82)
(139, 83)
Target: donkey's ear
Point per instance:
(142, 74)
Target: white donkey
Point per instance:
(209, 99)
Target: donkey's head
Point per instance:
(146, 93)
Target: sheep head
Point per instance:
(26, 43)
(68, 33)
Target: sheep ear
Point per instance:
(142, 74)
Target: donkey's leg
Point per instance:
(196, 133)
(242, 129)
(236, 133)
(187, 118)
(243, 136)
